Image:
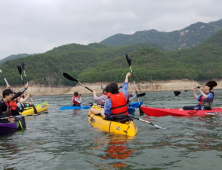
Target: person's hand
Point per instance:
(26, 86)
(8, 86)
(128, 74)
(11, 119)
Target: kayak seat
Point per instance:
(121, 119)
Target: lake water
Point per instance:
(61, 140)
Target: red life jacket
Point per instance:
(119, 104)
(73, 99)
(202, 100)
(13, 105)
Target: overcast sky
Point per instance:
(36, 26)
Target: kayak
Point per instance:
(136, 104)
(128, 128)
(131, 110)
(158, 112)
(39, 107)
(74, 107)
(7, 128)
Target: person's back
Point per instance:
(116, 104)
(76, 99)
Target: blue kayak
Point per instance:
(74, 107)
(133, 105)
(136, 104)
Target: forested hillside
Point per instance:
(190, 36)
(202, 62)
(98, 62)
(47, 68)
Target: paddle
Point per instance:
(4, 77)
(177, 93)
(140, 95)
(20, 69)
(142, 120)
(129, 62)
(72, 79)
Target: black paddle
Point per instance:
(177, 93)
(140, 94)
(72, 79)
(20, 69)
(129, 62)
(142, 120)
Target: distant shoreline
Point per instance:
(171, 85)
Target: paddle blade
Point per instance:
(19, 69)
(69, 77)
(128, 59)
(141, 95)
(177, 93)
(23, 66)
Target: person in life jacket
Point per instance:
(76, 99)
(6, 106)
(22, 102)
(205, 98)
(100, 100)
(116, 104)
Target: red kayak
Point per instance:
(157, 112)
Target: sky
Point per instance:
(37, 26)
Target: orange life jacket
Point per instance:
(119, 104)
(13, 105)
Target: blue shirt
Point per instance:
(108, 104)
(210, 96)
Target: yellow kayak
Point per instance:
(39, 107)
(127, 128)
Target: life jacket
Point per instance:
(13, 105)
(73, 99)
(119, 104)
(203, 102)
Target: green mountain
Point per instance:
(190, 36)
(11, 57)
(47, 68)
(99, 62)
(203, 62)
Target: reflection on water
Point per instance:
(65, 140)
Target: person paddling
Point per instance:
(76, 99)
(116, 104)
(205, 98)
(5, 106)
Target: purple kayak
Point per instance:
(7, 128)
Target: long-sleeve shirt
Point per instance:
(101, 99)
(108, 104)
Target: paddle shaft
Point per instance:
(142, 120)
(129, 62)
(4, 77)
(85, 86)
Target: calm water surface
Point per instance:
(65, 140)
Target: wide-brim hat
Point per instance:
(211, 84)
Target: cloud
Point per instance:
(36, 26)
